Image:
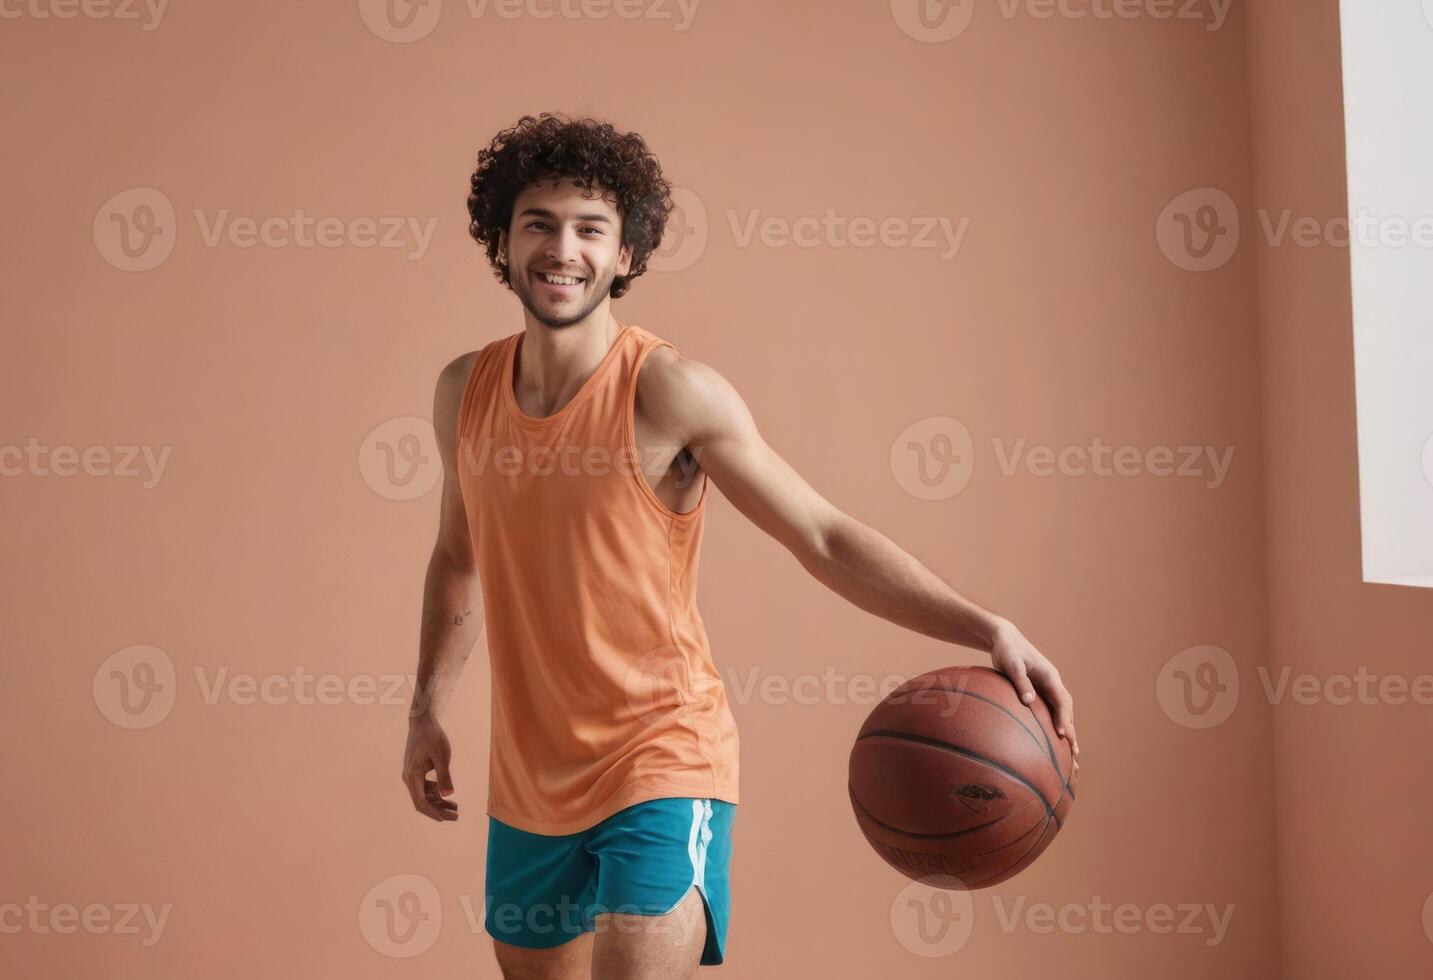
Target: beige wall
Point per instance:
(266, 549)
(1354, 854)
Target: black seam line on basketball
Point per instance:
(924, 740)
(909, 833)
(1038, 837)
(1042, 743)
(897, 830)
(1038, 830)
(1049, 746)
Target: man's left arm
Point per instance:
(854, 560)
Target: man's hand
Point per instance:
(428, 751)
(1032, 673)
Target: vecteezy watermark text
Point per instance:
(934, 22)
(1103, 460)
(97, 918)
(145, 463)
(151, 12)
(136, 230)
(832, 230)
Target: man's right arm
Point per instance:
(451, 619)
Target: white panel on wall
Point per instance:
(1388, 104)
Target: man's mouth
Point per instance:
(560, 283)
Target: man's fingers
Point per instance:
(1060, 703)
(446, 809)
(1023, 687)
(414, 780)
(1063, 709)
(445, 778)
(424, 793)
(1069, 727)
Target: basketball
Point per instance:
(952, 775)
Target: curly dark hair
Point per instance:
(589, 153)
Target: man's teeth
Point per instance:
(560, 280)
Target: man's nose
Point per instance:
(562, 248)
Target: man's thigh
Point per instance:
(570, 961)
(651, 947)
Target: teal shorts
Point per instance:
(544, 890)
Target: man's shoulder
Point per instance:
(456, 372)
(682, 390)
(453, 383)
(668, 375)
(454, 376)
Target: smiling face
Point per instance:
(564, 248)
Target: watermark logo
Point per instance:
(303, 688)
(135, 230)
(831, 687)
(149, 12)
(35, 459)
(1428, 12)
(933, 916)
(1428, 905)
(135, 687)
(685, 237)
(571, 914)
(1199, 230)
(481, 456)
(933, 21)
(658, 682)
(1199, 687)
(832, 230)
(96, 919)
(933, 458)
(302, 230)
(1099, 917)
(404, 21)
(1362, 687)
(1363, 228)
(1100, 459)
(688, 229)
(681, 12)
(401, 916)
(399, 459)
(400, 21)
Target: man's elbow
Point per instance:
(454, 560)
(815, 545)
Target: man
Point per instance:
(577, 457)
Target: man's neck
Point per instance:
(553, 362)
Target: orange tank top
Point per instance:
(604, 693)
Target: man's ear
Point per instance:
(624, 260)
